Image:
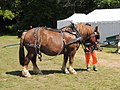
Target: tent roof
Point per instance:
(77, 17)
(99, 15)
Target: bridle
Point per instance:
(88, 42)
(74, 29)
(89, 37)
(79, 38)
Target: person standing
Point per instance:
(90, 52)
(118, 45)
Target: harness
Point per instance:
(89, 45)
(37, 44)
(79, 39)
(72, 26)
(76, 33)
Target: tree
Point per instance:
(107, 3)
(8, 13)
(20, 14)
(44, 12)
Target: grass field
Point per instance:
(106, 78)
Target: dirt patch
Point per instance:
(109, 63)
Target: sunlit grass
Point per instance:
(107, 78)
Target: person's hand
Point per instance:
(86, 50)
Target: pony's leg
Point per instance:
(35, 67)
(71, 60)
(64, 68)
(25, 71)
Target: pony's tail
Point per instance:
(21, 53)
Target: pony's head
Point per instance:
(97, 33)
(88, 34)
(91, 39)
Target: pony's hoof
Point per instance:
(119, 51)
(75, 72)
(26, 73)
(37, 72)
(72, 71)
(40, 73)
(65, 71)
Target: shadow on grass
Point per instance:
(45, 72)
(15, 73)
(80, 69)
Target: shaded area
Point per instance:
(80, 69)
(45, 72)
(15, 73)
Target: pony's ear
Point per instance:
(72, 25)
(71, 22)
(88, 24)
(96, 29)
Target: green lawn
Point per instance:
(106, 78)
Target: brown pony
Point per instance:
(53, 42)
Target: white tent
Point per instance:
(75, 18)
(100, 15)
(108, 21)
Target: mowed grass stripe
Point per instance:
(106, 78)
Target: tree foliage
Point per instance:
(107, 3)
(8, 13)
(20, 14)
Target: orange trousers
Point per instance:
(94, 58)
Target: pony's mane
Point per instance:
(85, 29)
(66, 28)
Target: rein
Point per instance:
(79, 38)
(88, 44)
(88, 37)
(62, 35)
(72, 26)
